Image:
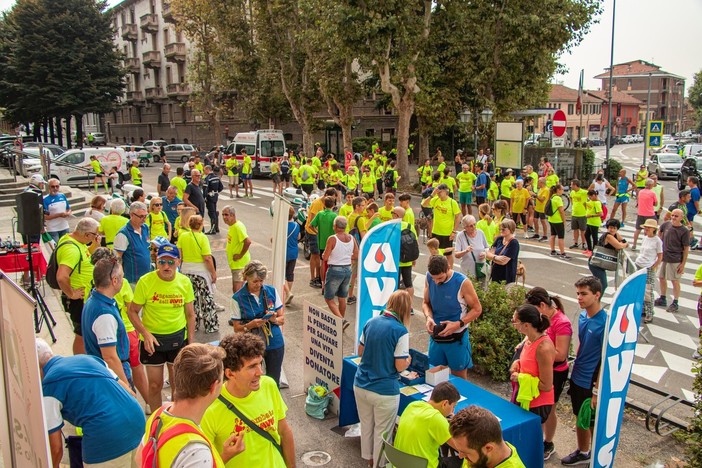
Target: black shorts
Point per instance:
(286, 177)
(542, 412)
(519, 217)
(642, 219)
(74, 307)
(559, 380)
(406, 276)
(290, 270)
(445, 242)
(321, 185)
(558, 230)
(159, 358)
(578, 395)
(307, 188)
(538, 215)
(479, 200)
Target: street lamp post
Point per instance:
(485, 115)
(611, 71)
(648, 107)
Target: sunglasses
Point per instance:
(139, 216)
(157, 204)
(164, 262)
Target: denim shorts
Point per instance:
(337, 282)
(314, 244)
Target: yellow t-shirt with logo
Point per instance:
(519, 200)
(264, 407)
(466, 181)
(556, 202)
(579, 197)
(594, 208)
(71, 256)
(236, 235)
(136, 175)
(163, 302)
(543, 193)
(351, 181)
(180, 184)
(445, 212)
(230, 164)
(487, 230)
(193, 246)
(368, 182)
(110, 226)
(385, 214)
(97, 168)
(275, 168)
(157, 224)
(552, 180)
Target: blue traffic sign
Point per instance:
(655, 127)
(549, 126)
(654, 141)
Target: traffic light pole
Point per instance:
(648, 106)
(611, 72)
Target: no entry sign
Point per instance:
(559, 123)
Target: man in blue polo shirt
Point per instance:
(132, 244)
(104, 334)
(482, 183)
(82, 390)
(583, 380)
(170, 204)
(450, 302)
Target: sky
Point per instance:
(665, 33)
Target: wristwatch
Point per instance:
(463, 324)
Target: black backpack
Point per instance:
(53, 266)
(409, 247)
(548, 209)
(389, 178)
(284, 167)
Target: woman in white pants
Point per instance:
(384, 351)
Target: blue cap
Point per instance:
(159, 241)
(168, 250)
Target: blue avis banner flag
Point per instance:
(378, 271)
(621, 335)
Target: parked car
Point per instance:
(691, 149)
(628, 139)
(665, 165)
(690, 167)
(153, 146)
(180, 152)
(56, 150)
(99, 139)
(596, 141)
(145, 156)
(669, 148)
(637, 138)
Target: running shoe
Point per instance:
(576, 458)
(554, 253)
(549, 448)
(351, 300)
(543, 239)
(564, 256)
(661, 302)
(574, 246)
(345, 324)
(289, 299)
(535, 236)
(673, 307)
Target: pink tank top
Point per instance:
(529, 365)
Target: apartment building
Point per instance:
(667, 90)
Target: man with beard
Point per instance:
(478, 438)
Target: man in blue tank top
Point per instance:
(450, 304)
(623, 194)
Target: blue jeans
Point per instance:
(56, 235)
(336, 283)
(600, 274)
(274, 363)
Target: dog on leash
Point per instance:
(521, 272)
(421, 225)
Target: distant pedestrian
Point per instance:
(676, 247)
(57, 210)
(193, 196)
(212, 185)
(163, 181)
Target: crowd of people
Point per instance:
(138, 281)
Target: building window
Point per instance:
(370, 132)
(570, 109)
(628, 83)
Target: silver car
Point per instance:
(665, 165)
(179, 152)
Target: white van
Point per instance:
(691, 150)
(261, 145)
(73, 166)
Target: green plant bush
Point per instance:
(492, 335)
(694, 441)
(612, 171)
(587, 166)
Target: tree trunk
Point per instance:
(423, 154)
(59, 131)
(69, 142)
(52, 133)
(79, 130)
(36, 130)
(307, 138)
(45, 128)
(404, 114)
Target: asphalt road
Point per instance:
(663, 362)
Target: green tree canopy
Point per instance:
(694, 97)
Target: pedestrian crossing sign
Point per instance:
(655, 127)
(654, 141)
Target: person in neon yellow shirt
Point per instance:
(356, 222)
(247, 173)
(557, 223)
(578, 221)
(276, 177)
(99, 173)
(113, 222)
(180, 183)
(135, 173)
(486, 223)
(199, 374)
(593, 212)
(493, 190)
(447, 218)
(519, 198)
(551, 179)
(425, 173)
(308, 174)
(237, 249)
(385, 212)
(641, 177)
(347, 208)
(157, 221)
(368, 182)
(506, 187)
(474, 424)
(466, 179)
(165, 299)
(405, 200)
(351, 180)
(296, 181)
(542, 195)
(450, 182)
(257, 397)
(423, 427)
(232, 167)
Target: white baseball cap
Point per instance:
(37, 179)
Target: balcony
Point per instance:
(134, 96)
(130, 33)
(152, 59)
(175, 52)
(133, 65)
(149, 23)
(174, 90)
(153, 93)
(167, 13)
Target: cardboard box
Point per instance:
(436, 375)
(419, 364)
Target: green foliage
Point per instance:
(612, 171)
(492, 335)
(58, 59)
(587, 166)
(694, 441)
(694, 96)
